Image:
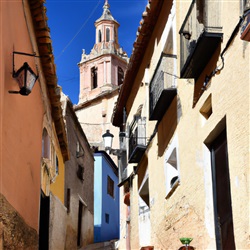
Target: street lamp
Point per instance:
(24, 76)
(108, 140)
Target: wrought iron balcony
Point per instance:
(200, 37)
(162, 88)
(137, 139)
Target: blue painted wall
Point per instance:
(103, 202)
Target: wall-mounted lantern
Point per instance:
(108, 140)
(24, 76)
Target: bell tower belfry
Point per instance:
(103, 69)
(101, 76)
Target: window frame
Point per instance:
(110, 187)
(120, 75)
(171, 187)
(46, 145)
(99, 36)
(108, 35)
(94, 77)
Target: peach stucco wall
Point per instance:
(107, 66)
(20, 119)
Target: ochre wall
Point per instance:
(57, 188)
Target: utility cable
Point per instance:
(77, 33)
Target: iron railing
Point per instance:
(163, 79)
(199, 19)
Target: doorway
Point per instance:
(222, 194)
(79, 230)
(44, 222)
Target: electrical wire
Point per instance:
(229, 42)
(77, 33)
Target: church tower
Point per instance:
(101, 75)
(103, 69)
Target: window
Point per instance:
(80, 172)
(45, 145)
(57, 165)
(107, 35)
(99, 36)
(120, 75)
(107, 218)
(137, 137)
(68, 200)
(94, 77)
(110, 187)
(144, 211)
(171, 168)
(79, 150)
(79, 227)
(206, 109)
(245, 5)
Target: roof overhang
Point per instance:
(145, 30)
(44, 43)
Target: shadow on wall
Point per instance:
(167, 126)
(97, 233)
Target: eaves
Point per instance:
(145, 30)
(44, 43)
(107, 94)
(104, 55)
(69, 105)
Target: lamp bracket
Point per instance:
(117, 152)
(22, 72)
(23, 54)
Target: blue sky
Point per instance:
(72, 29)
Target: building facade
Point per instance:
(33, 141)
(106, 193)
(79, 183)
(186, 97)
(101, 75)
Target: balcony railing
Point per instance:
(200, 37)
(162, 88)
(137, 139)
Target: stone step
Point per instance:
(108, 245)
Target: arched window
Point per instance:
(120, 77)
(99, 36)
(107, 35)
(45, 144)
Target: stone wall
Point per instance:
(14, 232)
(57, 226)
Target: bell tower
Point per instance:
(101, 76)
(103, 69)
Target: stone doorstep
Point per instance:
(107, 245)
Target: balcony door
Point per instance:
(221, 193)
